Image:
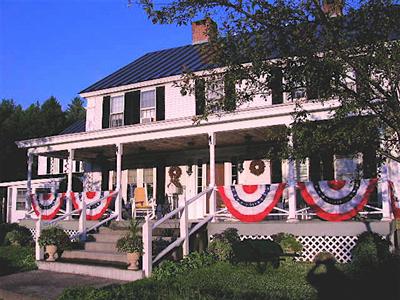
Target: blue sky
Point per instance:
(59, 47)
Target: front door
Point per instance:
(219, 180)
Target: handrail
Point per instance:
(168, 249)
(79, 209)
(112, 216)
(180, 208)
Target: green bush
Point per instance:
(5, 228)
(288, 242)
(19, 237)
(54, 236)
(223, 243)
(260, 251)
(191, 262)
(16, 259)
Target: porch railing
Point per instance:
(82, 229)
(184, 235)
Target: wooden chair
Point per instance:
(142, 205)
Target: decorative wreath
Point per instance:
(257, 167)
(175, 172)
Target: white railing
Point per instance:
(40, 224)
(184, 235)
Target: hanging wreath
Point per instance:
(175, 172)
(251, 203)
(395, 201)
(257, 167)
(337, 200)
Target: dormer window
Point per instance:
(116, 111)
(147, 106)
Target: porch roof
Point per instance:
(176, 128)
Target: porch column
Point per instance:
(71, 154)
(118, 200)
(211, 144)
(292, 195)
(28, 203)
(383, 192)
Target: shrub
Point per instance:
(132, 241)
(288, 242)
(16, 259)
(159, 245)
(258, 251)
(223, 243)
(193, 261)
(5, 228)
(19, 237)
(324, 257)
(54, 236)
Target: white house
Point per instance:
(139, 132)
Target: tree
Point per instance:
(332, 50)
(75, 111)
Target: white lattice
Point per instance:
(339, 246)
(70, 232)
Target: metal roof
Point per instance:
(156, 65)
(78, 126)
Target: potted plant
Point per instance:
(131, 244)
(55, 240)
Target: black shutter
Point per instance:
(106, 112)
(200, 96)
(135, 107)
(276, 86)
(160, 103)
(230, 93)
(128, 108)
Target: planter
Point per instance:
(133, 260)
(51, 250)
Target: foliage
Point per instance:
(35, 121)
(189, 263)
(324, 257)
(159, 245)
(259, 251)
(288, 242)
(214, 281)
(223, 243)
(5, 228)
(16, 259)
(131, 241)
(353, 57)
(54, 236)
(19, 237)
(75, 111)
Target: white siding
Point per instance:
(42, 165)
(94, 113)
(176, 105)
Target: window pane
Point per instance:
(117, 104)
(148, 99)
(21, 196)
(148, 113)
(148, 176)
(116, 120)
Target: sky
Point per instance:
(59, 47)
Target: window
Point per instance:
(21, 198)
(347, 167)
(77, 166)
(148, 179)
(117, 111)
(148, 106)
(215, 95)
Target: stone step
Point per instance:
(101, 246)
(91, 270)
(95, 256)
(107, 238)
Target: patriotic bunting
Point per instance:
(251, 203)
(337, 200)
(394, 200)
(47, 205)
(95, 211)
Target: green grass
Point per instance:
(218, 281)
(15, 259)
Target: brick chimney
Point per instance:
(201, 30)
(332, 8)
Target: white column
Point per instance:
(118, 200)
(211, 143)
(82, 222)
(383, 192)
(292, 196)
(147, 233)
(184, 226)
(39, 253)
(71, 154)
(29, 182)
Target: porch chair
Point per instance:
(141, 204)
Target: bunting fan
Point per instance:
(337, 200)
(251, 203)
(395, 201)
(95, 211)
(47, 204)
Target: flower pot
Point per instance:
(51, 250)
(133, 260)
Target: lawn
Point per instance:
(15, 259)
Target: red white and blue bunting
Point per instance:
(337, 200)
(47, 205)
(95, 211)
(394, 199)
(251, 203)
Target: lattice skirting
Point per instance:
(70, 232)
(339, 246)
